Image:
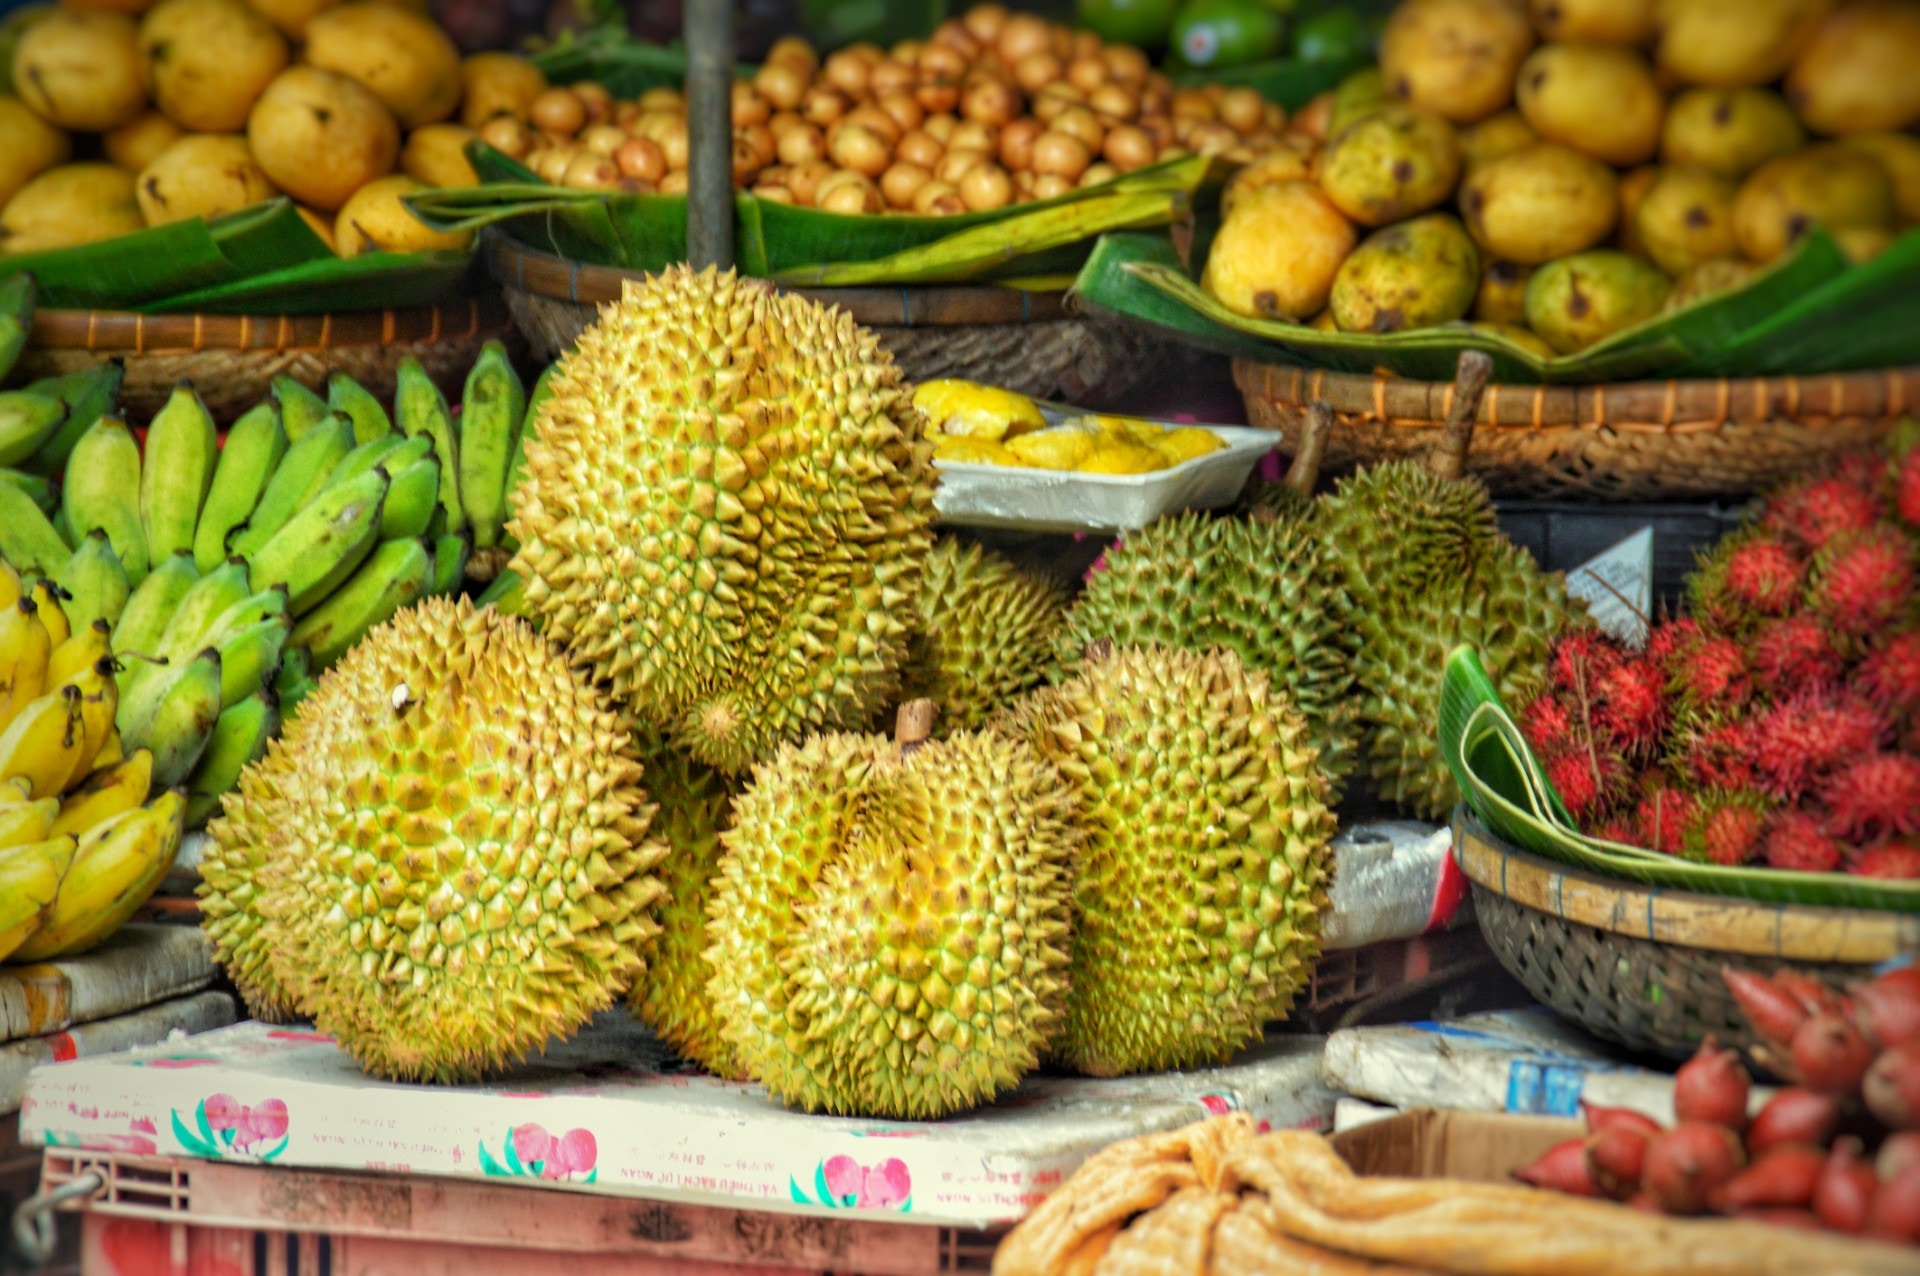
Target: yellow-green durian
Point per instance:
(983, 633)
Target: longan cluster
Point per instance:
(994, 108)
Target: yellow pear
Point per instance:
(291, 16)
(375, 220)
(437, 155)
(1600, 99)
(138, 143)
(33, 146)
(406, 59)
(1899, 154)
(320, 137)
(1277, 253)
(206, 62)
(1860, 70)
(1838, 187)
(498, 84)
(1540, 203)
(1457, 58)
(1729, 131)
(80, 70)
(1685, 218)
(1733, 43)
(1598, 21)
(202, 175)
(72, 204)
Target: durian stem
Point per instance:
(913, 724)
(1304, 473)
(1448, 459)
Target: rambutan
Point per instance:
(1792, 653)
(1893, 859)
(1796, 743)
(1589, 782)
(1815, 511)
(1797, 841)
(1668, 639)
(1548, 723)
(1727, 827)
(1747, 576)
(1863, 581)
(1581, 656)
(1711, 676)
(1623, 829)
(1890, 676)
(1714, 755)
(1906, 488)
(1663, 816)
(1633, 708)
(1874, 797)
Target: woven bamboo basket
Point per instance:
(1640, 966)
(1025, 341)
(1638, 441)
(232, 359)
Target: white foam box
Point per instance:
(609, 1112)
(21, 1060)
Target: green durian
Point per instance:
(447, 851)
(889, 933)
(984, 633)
(726, 504)
(673, 999)
(1261, 587)
(1399, 526)
(1198, 896)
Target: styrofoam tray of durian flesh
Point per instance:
(1020, 498)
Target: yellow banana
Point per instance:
(108, 792)
(112, 752)
(118, 865)
(26, 822)
(44, 741)
(29, 885)
(99, 699)
(14, 790)
(53, 617)
(10, 587)
(23, 658)
(79, 653)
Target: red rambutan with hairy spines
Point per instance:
(1727, 827)
(1798, 742)
(1798, 842)
(1891, 859)
(1663, 816)
(1906, 488)
(1746, 577)
(1714, 755)
(1633, 709)
(1623, 829)
(1549, 723)
(1590, 783)
(1874, 797)
(1863, 581)
(1710, 676)
(1815, 511)
(1793, 653)
(1581, 656)
(1890, 675)
(1669, 638)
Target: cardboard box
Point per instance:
(1481, 1147)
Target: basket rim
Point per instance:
(553, 277)
(133, 333)
(1684, 919)
(1672, 405)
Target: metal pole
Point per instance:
(709, 33)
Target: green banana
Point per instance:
(248, 612)
(88, 396)
(420, 408)
(494, 403)
(27, 420)
(323, 543)
(356, 402)
(149, 607)
(181, 721)
(102, 489)
(508, 592)
(182, 449)
(368, 455)
(248, 659)
(398, 572)
(240, 737)
(300, 408)
(206, 601)
(119, 863)
(255, 444)
(41, 491)
(16, 318)
(450, 553)
(300, 476)
(412, 497)
(95, 581)
(27, 539)
(295, 678)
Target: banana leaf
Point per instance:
(625, 66)
(371, 281)
(1800, 304)
(1508, 789)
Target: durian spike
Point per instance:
(1448, 460)
(1304, 473)
(1098, 649)
(913, 725)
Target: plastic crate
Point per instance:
(163, 1216)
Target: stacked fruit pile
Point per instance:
(81, 847)
(1544, 135)
(1779, 722)
(202, 107)
(1785, 1164)
(991, 109)
(985, 425)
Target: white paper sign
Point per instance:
(1618, 587)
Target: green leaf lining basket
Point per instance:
(1627, 942)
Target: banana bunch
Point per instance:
(231, 576)
(81, 848)
(39, 424)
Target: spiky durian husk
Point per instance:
(693, 803)
(1260, 588)
(984, 633)
(230, 905)
(1198, 896)
(725, 508)
(452, 849)
(1397, 526)
(889, 934)
(1509, 609)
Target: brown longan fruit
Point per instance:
(774, 193)
(761, 139)
(1061, 154)
(558, 111)
(1194, 104)
(824, 105)
(1050, 185)
(986, 185)
(673, 144)
(989, 101)
(601, 139)
(953, 34)
(641, 158)
(955, 163)
(1243, 110)
(594, 100)
(1211, 137)
(550, 163)
(1098, 173)
(1022, 34)
(1056, 98)
(856, 196)
(860, 149)
(1083, 124)
(941, 63)
(972, 135)
(804, 179)
(1114, 103)
(1087, 74)
(660, 99)
(781, 121)
(748, 106)
(801, 143)
(920, 148)
(674, 183)
(588, 171)
(903, 110)
(984, 21)
(746, 161)
(938, 199)
(939, 126)
(875, 121)
(1127, 148)
(891, 77)
(901, 182)
(1125, 64)
(508, 136)
(1016, 143)
(1036, 71)
(791, 50)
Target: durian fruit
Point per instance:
(725, 509)
(1262, 587)
(1398, 526)
(447, 850)
(984, 633)
(693, 802)
(890, 926)
(1199, 893)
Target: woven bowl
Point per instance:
(1640, 966)
(232, 359)
(1025, 341)
(1640, 441)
